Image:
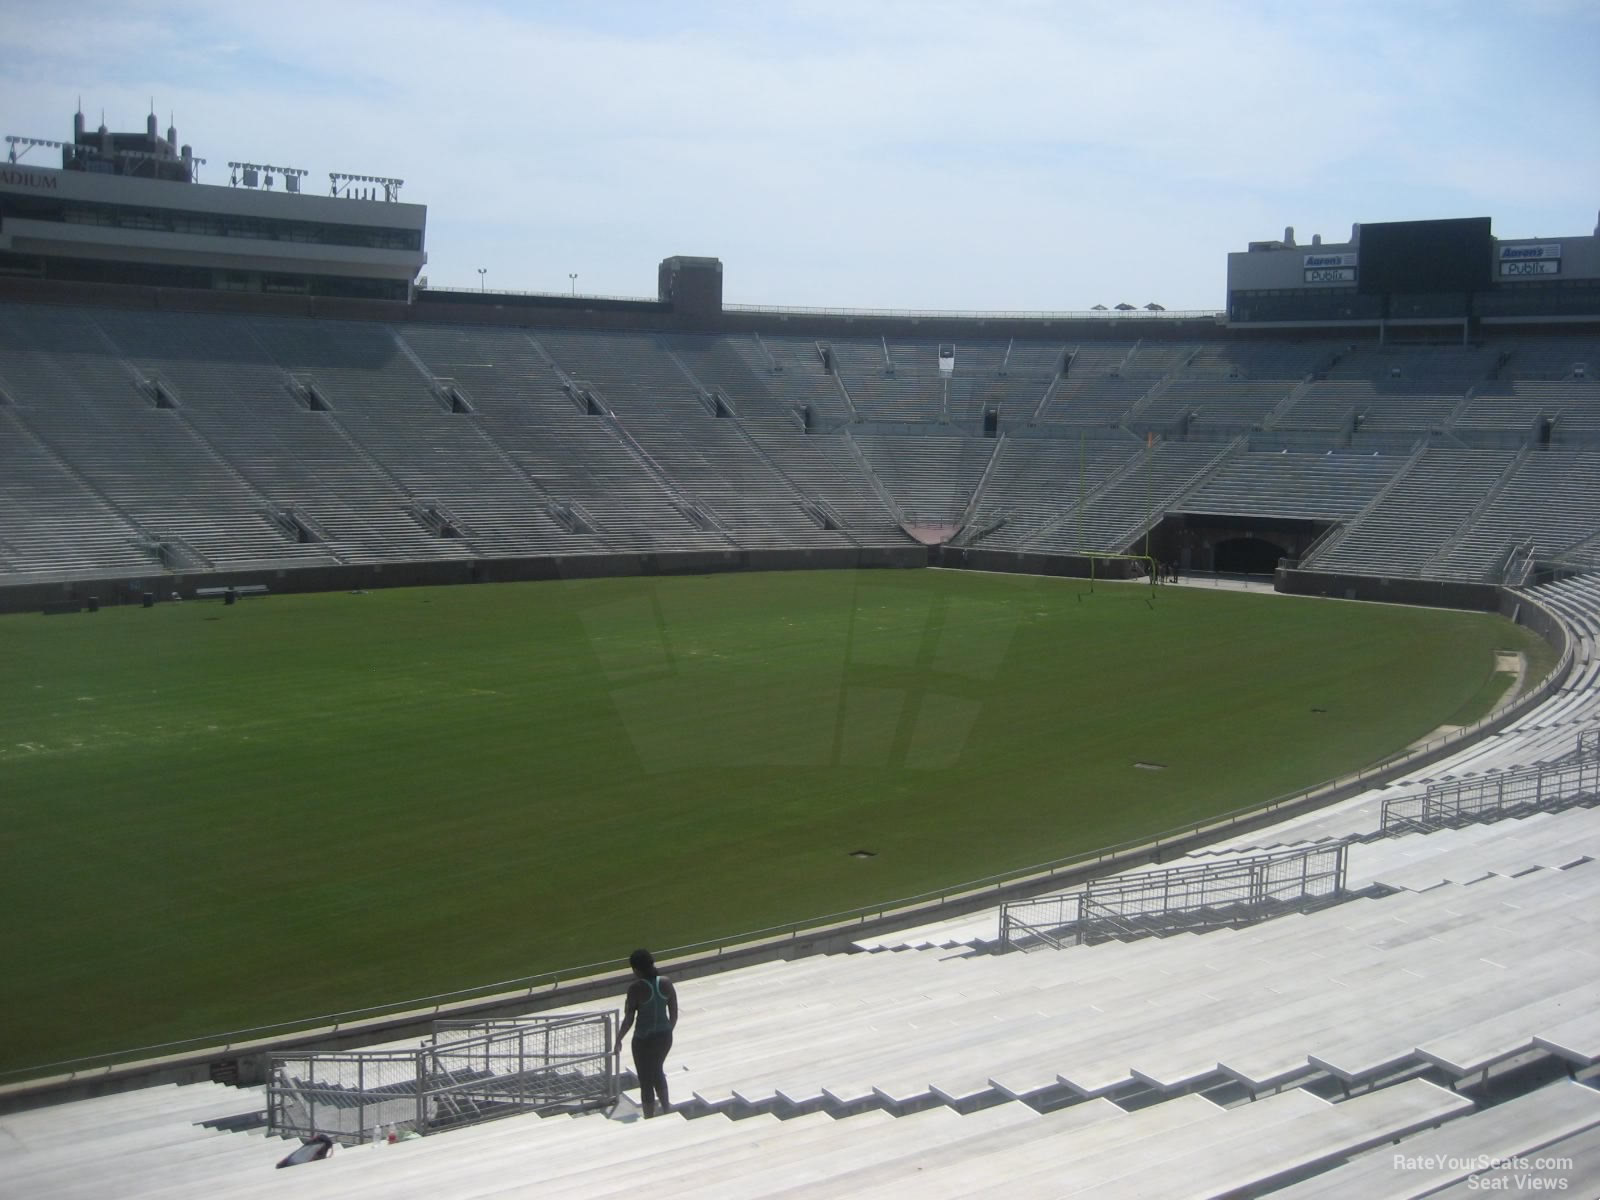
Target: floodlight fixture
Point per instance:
(28, 143)
(341, 183)
(255, 174)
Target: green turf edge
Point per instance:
(1485, 700)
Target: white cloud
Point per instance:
(965, 155)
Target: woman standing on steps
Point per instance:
(654, 1002)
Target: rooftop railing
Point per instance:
(1092, 314)
(1081, 314)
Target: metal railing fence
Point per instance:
(351, 1097)
(1201, 896)
(525, 1064)
(1548, 786)
(466, 1073)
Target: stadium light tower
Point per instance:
(573, 275)
(482, 271)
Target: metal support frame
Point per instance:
(1543, 787)
(465, 1073)
(1180, 899)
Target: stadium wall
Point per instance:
(652, 316)
(36, 597)
(1431, 593)
(1022, 562)
(594, 313)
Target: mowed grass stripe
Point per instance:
(219, 817)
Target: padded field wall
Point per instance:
(33, 597)
(1020, 562)
(1431, 593)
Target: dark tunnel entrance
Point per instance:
(1248, 556)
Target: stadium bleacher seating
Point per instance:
(1330, 485)
(291, 442)
(1433, 499)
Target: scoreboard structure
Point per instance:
(1410, 257)
(1452, 271)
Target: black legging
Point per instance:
(649, 1064)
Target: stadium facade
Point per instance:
(125, 208)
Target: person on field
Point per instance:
(653, 1003)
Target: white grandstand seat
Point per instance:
(1576, 1171)
(1521, 1127)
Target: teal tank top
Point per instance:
(653, 1015)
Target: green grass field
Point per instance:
(215, 817)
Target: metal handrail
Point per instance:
(502, 1068)
(1006, 927)
(1543, 787)
(1128, 904)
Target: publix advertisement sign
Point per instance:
(1521, 261)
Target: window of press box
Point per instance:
(161, 220)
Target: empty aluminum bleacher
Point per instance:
(1232, 406)
(706, 459)
(570, 457)
(84, 401)
(1093, 1148)
(1374, 406)
(301, 442)
(1149, 484)
(1034, 480)
(1550, 499)
(1515, 405)
(1257, 360)
(932, 478)
(1083, 398)
(800, 379)
(912, 394)
(1447, 368)
(54, 524)
(824, 470)
(1534, 358)
(457, 480)
(301, 460)
(1327, 486)
(723, 362)
(1413, 519)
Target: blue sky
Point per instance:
(1000, 155)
